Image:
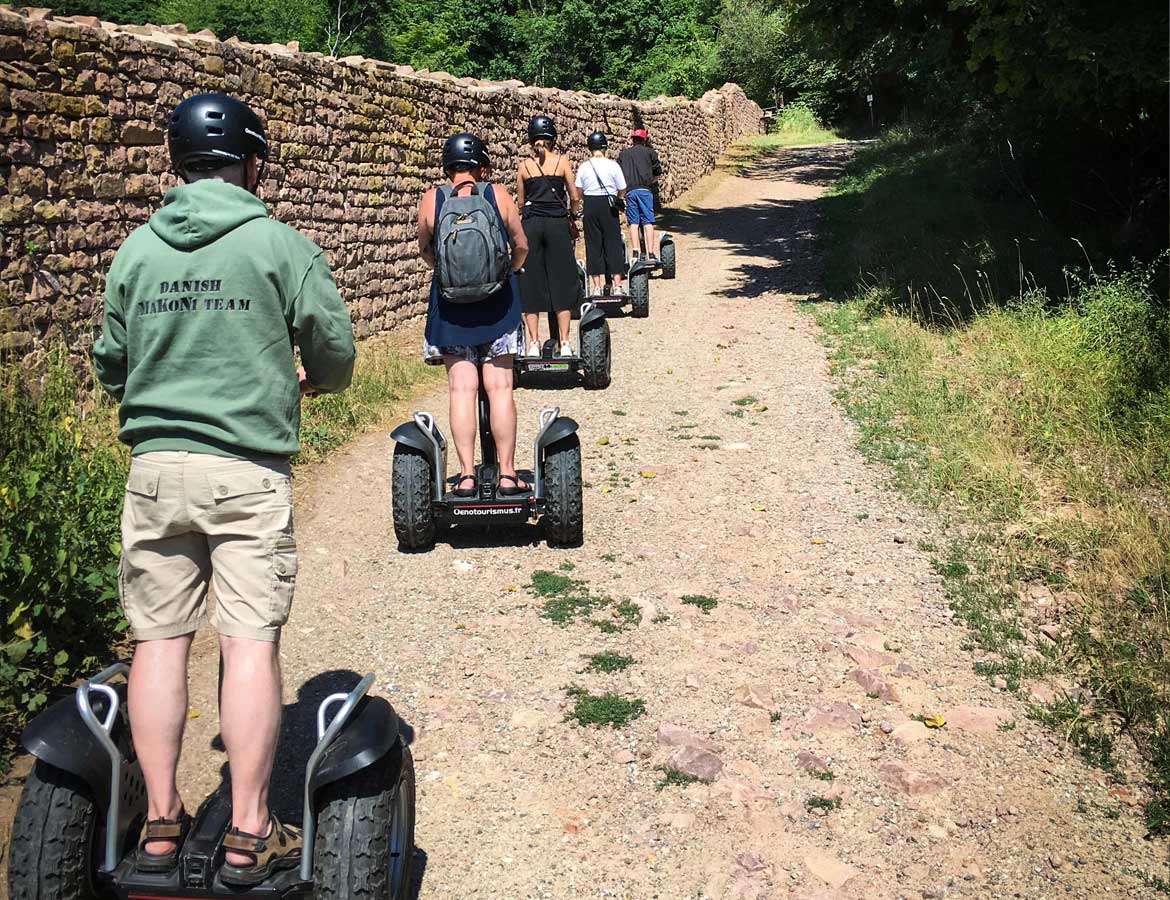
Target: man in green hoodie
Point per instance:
(204, 306)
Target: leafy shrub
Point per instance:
(61, 486)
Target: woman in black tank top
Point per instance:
(547, 196)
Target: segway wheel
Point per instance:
(595, 356)
(53, 854)
(666, 255)
(564, 516)
(640, 295)
(364, 847)
(414, 517)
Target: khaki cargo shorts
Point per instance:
(194, 521)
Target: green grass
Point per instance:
(746, 401)
(567, 599)
(795, 125)
(1033, 411)
(602, 709)
(817, 802)
(383, 377)
(608, 661)
(705, 603)
(673, 778)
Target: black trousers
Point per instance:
(549, 277)
(604, 254)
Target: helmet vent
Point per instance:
(214, 129)
(215, 114)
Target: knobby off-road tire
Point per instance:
(364, 848)
(414, 516)
(53, 853)
(666, 255)
(564, 516)
(595, 357)
(640, 295)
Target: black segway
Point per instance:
(592, 359)
(423, 498)
(77, 826)
(666, 253)
(637, 287)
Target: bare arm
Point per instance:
(516, 236)
(426, 228)
(520, 184)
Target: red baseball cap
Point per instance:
(639, 133)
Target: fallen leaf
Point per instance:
(818, 540)
(605, 489)
(510, 588)
(759, 507)
(670, 371)
(761, 408)
(648, 473)
(602, 441)
(716, 359)
(193, 713)
(935, 721)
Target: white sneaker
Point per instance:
(619, 290)
(566, 348)
(534, 349)
(595, 292)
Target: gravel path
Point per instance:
(829, 635)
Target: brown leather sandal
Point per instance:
(280, 849)
(162, 829)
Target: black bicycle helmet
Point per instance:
(597, 141)
(541, 127)
(465, 149)
(214, 127)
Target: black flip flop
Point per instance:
(513, 491)
(466, 492)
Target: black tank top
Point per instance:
(545, 195)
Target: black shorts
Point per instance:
(549, 277)
(604, 253)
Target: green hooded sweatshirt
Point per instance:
(204, 304)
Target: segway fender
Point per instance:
(559, 429)
(595, 318)
(59, 737)
(367, 737)
(412, 435)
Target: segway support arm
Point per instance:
(100, 729)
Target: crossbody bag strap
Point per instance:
(600, 182)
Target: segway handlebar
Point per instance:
(325, 737)
(101, 730)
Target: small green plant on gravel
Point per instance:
(736, 413)
(673, 778)
(608, 557)
(682, 412)
(660, 619)
(775, 716)
(565, 598)
(605, 626)
(619, 412)
(705, 603)
(823, 775)
(609, 708)
(629, 611)
(706, 446)
(746, 401)
(567, 566)
(608, 661)
(826, 803)
(710, 437)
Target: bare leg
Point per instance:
(497, 381)
(564, 323)
(532, 327)
(158, 712)
(463, 388)
(249, 722)
(617, 278)
(635, 240)
(650, 248)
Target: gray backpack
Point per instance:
(472, 257)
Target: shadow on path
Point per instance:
(779, 233)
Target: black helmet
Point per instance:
(541, 127)
(214, 127)
(597, 141)
(465, 149)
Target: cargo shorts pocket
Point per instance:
(284, 577)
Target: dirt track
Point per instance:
(765, 506)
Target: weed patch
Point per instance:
(705, 603)
(673, 778)
(602, 709)
(608, 662)
(817, 802)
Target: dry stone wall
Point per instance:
(82, 158)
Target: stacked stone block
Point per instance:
(83, 162)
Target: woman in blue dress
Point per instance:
(463, 335)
